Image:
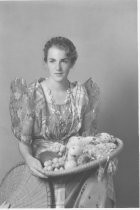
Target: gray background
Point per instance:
(105, 33)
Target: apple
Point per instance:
(75, 150)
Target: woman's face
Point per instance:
(58, 64)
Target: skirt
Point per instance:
(82, 190)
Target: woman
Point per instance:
(55, 110)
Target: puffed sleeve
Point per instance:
(22, 110)
(89, 118)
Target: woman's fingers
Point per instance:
(36, 172)
(36, 167)
(39, 168)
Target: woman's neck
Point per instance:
(59, 86)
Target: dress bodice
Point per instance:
(59, 120)
(44, 122)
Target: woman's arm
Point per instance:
(91, 108)
(33, 163)
(22, 111)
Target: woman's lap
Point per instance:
(88, 192)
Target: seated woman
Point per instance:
(53, 110)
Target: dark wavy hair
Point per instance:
(61, 43)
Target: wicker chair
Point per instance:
(16, 189)
(11, 181)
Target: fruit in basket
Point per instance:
(104, 138)
(79, 150)
(47, 163)
(54, 164)
(56, 169)
(99, 150)
(87, 140)
(79, 141)
(74, 140)
(111, 145)
(61, 161)
(75, 150)
(61, 168)
(76, 144)
(48, 168)
(46, 156)
(90, 150)
(58, 148)
(70, 164)
(83, 159)
(104, 149)
(55, 160)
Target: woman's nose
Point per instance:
(58, 66)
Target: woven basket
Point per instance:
(23, 190)
(89, 165)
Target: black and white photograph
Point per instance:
(69, 134)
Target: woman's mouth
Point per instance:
(59, 73)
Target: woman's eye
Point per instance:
(65, 61)
(51, 61)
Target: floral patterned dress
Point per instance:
(39, 121)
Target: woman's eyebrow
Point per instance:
(63, 59)
(51, 58)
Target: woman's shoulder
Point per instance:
(91, 93)
(88, 86)
(35, 84)
(36, 88)
(90, 90)
(21, 85)
(91, 87)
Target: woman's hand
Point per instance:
(35, 167)
(33, 163)
(5, 205)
